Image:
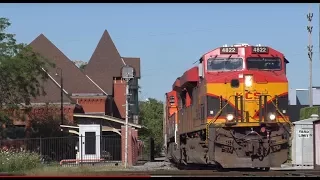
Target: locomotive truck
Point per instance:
(230, 110)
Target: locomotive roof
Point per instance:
(245, 45)
(189, 74)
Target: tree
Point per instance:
(151, 116)
(22, 72)
(46, 123)
(82, 66)
(306, 112)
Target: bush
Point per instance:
(14, 161)
(306, 112)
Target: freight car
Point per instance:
(230, 110)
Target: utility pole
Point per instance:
(310, 53)
(127, 75)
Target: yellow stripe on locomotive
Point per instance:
(223, 100)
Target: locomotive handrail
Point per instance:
(283, 116)
(215, 117)
(221, 109)
(290, 124)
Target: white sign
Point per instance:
(304, 133)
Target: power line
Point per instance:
(188, 32)
(166, 68)
(179, 33)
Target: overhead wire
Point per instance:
(191, 31)
(175, 69)
(204, 30)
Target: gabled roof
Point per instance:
(53, 95)
(74, 81)
(106, 63)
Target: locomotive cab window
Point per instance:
(264, 63)
(224, 64)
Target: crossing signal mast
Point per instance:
(127, 75)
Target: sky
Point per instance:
(169, 38)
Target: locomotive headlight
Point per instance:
(229, 117)
(272, 117)
(248, 80)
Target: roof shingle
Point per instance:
(106, 63)
(74, 81)
(53, 95)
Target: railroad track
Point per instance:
(205, 170)
(199, 173)
(208, 173)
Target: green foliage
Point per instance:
(82, 66)
(306, 112)
(13, 132)
(151, 116)
(21, 70)
(17, 161)
(4, 118)
(46, 124)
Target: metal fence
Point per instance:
(70, 150)
(147, 152)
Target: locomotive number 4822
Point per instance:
(260, 50)
(229, 50)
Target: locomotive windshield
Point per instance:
(261, 63)
(226, 64)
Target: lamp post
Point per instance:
(61, 93)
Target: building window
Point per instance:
(90, 143)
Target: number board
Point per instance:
(260, 50)
(229, 50)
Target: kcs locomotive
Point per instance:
(230, 110)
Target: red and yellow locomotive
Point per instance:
(230, 110)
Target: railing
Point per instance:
(148, 150)
(71, 150)
(263, 99)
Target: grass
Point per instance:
(76, 170)
(19, 162)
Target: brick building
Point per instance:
(94, 95)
